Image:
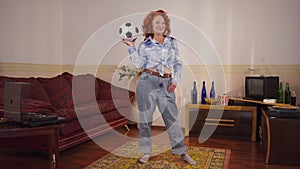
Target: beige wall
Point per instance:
(242, 32)
(31, 31)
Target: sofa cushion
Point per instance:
(68, 76)
(90, 122)
(101, 106)
(59, 91)
(104, 90)
(108, 91)
(90, 109)
(93, 108)
(84, 88)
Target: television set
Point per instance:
(261, 87)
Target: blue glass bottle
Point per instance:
(194, 94)
(212, 93)
(203, 93)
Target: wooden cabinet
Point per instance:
(236, 121)
(280, 138)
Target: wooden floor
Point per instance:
(244, 154)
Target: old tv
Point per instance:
(261, 87)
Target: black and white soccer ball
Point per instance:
(128, 31)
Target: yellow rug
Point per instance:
(126, 157)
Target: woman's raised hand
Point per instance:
(128, 42)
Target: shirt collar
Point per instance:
(150, 41)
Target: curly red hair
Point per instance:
(148, 27)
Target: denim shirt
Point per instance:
(152, 54)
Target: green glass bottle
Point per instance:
(287, 94)
(280, 94)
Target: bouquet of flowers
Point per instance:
(127, 71)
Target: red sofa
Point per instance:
(72, 97)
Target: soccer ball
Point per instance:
(128, 31)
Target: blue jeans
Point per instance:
(151, 92)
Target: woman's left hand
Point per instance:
(128, 42)
(172, 87)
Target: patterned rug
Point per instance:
(126, 157)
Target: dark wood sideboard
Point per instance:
(281, 138)
(232, 121)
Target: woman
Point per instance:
(158, 56)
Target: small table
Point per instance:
(221, 107)
(8, 130)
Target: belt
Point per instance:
(151, 72)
